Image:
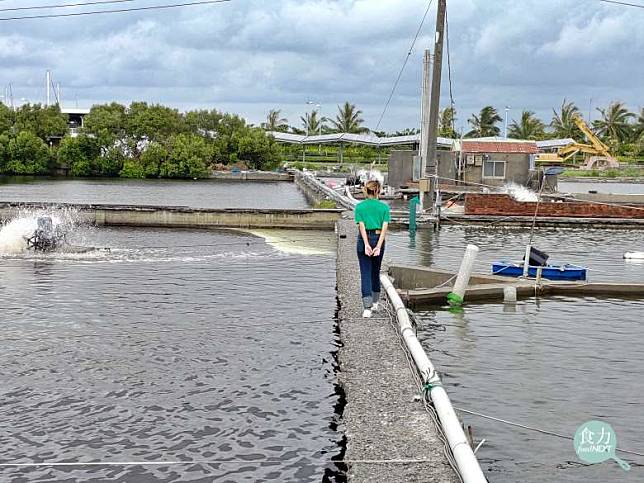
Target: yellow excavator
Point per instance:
(596, 152)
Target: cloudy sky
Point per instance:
(248, 56)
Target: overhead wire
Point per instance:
(120, 10)
(628, 4)
(64, 5)
(402, 69)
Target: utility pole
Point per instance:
(432, 161)
(424, 118)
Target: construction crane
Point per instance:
(597, 154)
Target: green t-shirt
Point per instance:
(373, 213)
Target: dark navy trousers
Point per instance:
(370, 270)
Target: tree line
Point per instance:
(621, 129)
(136, 141)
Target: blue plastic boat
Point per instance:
(550, 272)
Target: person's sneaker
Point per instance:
(366, 314)
(375, 307)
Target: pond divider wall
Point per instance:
(185, 217)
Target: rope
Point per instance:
(402, 461)
(533, 428)
(402, 69)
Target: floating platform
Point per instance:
(421, 286)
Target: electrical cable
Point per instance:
(616, 2)
(120, 10)
(402, 69)
(65, 5)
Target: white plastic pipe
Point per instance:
(468, 466)
(526, 261)
(416, 350)
(464, 273)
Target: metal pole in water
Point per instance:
(526, 261)
(413, 203)
(456, 296)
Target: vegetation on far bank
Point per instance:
(136, 141)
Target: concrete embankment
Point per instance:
(185, 217)
(251, 176)
(390, 437)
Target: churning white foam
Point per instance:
(520, 193)
(14, 233)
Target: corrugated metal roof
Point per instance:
(367, 139)
(555, 143)
(505, 147)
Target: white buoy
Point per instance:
(510, 294)
(634, 255)
(456, 296)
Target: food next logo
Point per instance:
(595, 442)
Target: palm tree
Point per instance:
(530, 127)
(614, 124)
(447, 119)
(312, 124)
(562, 122)
(639, 127)
(349, 120)
(484, 125)
(274, 122)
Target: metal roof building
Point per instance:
(366, 139)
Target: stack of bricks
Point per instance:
(505, 205)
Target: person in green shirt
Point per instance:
(372, 217)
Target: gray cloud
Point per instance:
(249, 56)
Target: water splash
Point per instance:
(520, 193)
(14, 233)
(372, 174)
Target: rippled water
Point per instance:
(177, 345)
(551, 363)
(196, 194)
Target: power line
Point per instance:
(67, 5)
(616, 2)
(120, 10)
(402, 69)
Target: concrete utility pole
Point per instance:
(432, 162)
(424, 116)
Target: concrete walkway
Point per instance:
(382, 420)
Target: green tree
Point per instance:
(447, 122)
(530, 127)
(274, 122)
(312, 123)
(614, 124)
(189, 157)
(203, 121)
(111, 161)
(108, 122)
(484, 125)
(348, 120)
(154, 123)
(257, 150)
(4, 152)
(6, 119)
(79, 154)
(28, 154)
(563, 124)
(44, 122)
